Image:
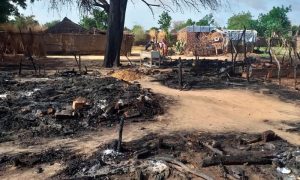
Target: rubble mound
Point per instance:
(127, 75)
(64, 106)
(185, 155)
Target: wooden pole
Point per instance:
(245, 56)
(295, 76)
(237, 45)
(232, 56)
(79, 64)
(120, 134)
(20, 66)
(180, 73)
(27, 50)
(44, 69)
(278, 66)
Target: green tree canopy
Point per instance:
(98, 19)
(295, 30)
(275, 21)
(10, 8)
(51, 23)
(139, 33)
(25, 22)
(178, 25)
(206, 20)
(165, 21)
(190, 22)
(241, 20)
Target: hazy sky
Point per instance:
(138, 13)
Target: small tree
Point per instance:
(178, 25)
(295, 30)
(165, 21)
(10, 8)
(190, 22)
(51, 23)
(98, 19)
(25, 22)
(275, 22)
(206, 20)
(241, 20)
(139, 34)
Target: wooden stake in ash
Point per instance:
(120, 133)
(180, 74)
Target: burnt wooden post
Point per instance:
(180, 73)
(86, 70)
(290, 55)
(236, 48)
(120, 133)
(278, 66)
(20, 66)
(27, 50)
(269, 47)
(232, 56)
(79, 64)
(245, 43)
(295, 76)
(245, 56)
(44, 69)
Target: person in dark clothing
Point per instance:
(151, 43)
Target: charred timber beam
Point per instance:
(236, 160)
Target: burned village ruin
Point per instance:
(154, 90)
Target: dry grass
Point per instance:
(127, 75)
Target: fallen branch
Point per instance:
(129, 60)
(215, 150)
(184, 167)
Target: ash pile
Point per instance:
(63, 106)
(202, 74)
(185, 155)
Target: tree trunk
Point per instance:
(269, 49)
(115, 30)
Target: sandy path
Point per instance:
(227, 110)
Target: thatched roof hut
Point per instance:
(66, 26)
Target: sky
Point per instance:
(139, 14)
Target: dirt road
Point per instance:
(227, 110)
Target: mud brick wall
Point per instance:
(41, 44)
(83, 43)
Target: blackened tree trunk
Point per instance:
(115, 30)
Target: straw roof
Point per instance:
(66, 26)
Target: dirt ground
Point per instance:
(206, 110)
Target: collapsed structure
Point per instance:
(207, 40)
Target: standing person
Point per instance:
(164, 47)
(149, 44)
